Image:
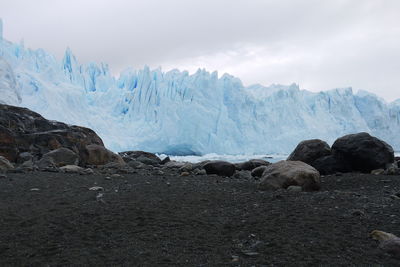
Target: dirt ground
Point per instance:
(148, 219)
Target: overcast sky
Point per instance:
(319, 44)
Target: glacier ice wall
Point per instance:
(178, 113)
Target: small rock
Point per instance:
(34, 189)
(71, 169)
(114, 165)
(188, 167)
(395, 197)
(235, 258)
(378, 172)
(250, 253)
(96, 188)
(242, 175)
(388, 242)
(251, 164)
(185, 174)
(219, 167)
(99, 195)
(357, 213)
(3, 175)
(295, 188)
(167, 159)
(392, 169)
(5, 165)
(257, 172)
(24, 156)
(116, 175)
(199, 172)
(88, 171)
(27, 164)
(136, 164)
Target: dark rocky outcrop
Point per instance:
(309, 150)
(290, 173)
(22, 130)
(363, 152)
(251, 164)
(219, 167)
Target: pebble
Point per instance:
(295, 188)
(88, 171)
(235, 258)
(34, 189)
(185, 174)
(395, 197)
(116, 175)
(96, 188)
(250, 253)
(357, 213)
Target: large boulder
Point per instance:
(22, 130)
(309, 150)
(60, 157)
(99, 155)
(251, 164)
(363, 152)
(330, 165)
(219, 167)
(290, 173)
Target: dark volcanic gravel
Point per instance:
(49, 219)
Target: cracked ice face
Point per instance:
(8, 84)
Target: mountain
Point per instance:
(178, 113)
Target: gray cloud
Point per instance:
(318, 44)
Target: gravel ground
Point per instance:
(152, 219)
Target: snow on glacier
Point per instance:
(186, 114)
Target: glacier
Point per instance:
(178, 113)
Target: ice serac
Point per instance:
(9, 89)
(179, 113)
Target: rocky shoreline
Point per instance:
(134, 194)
